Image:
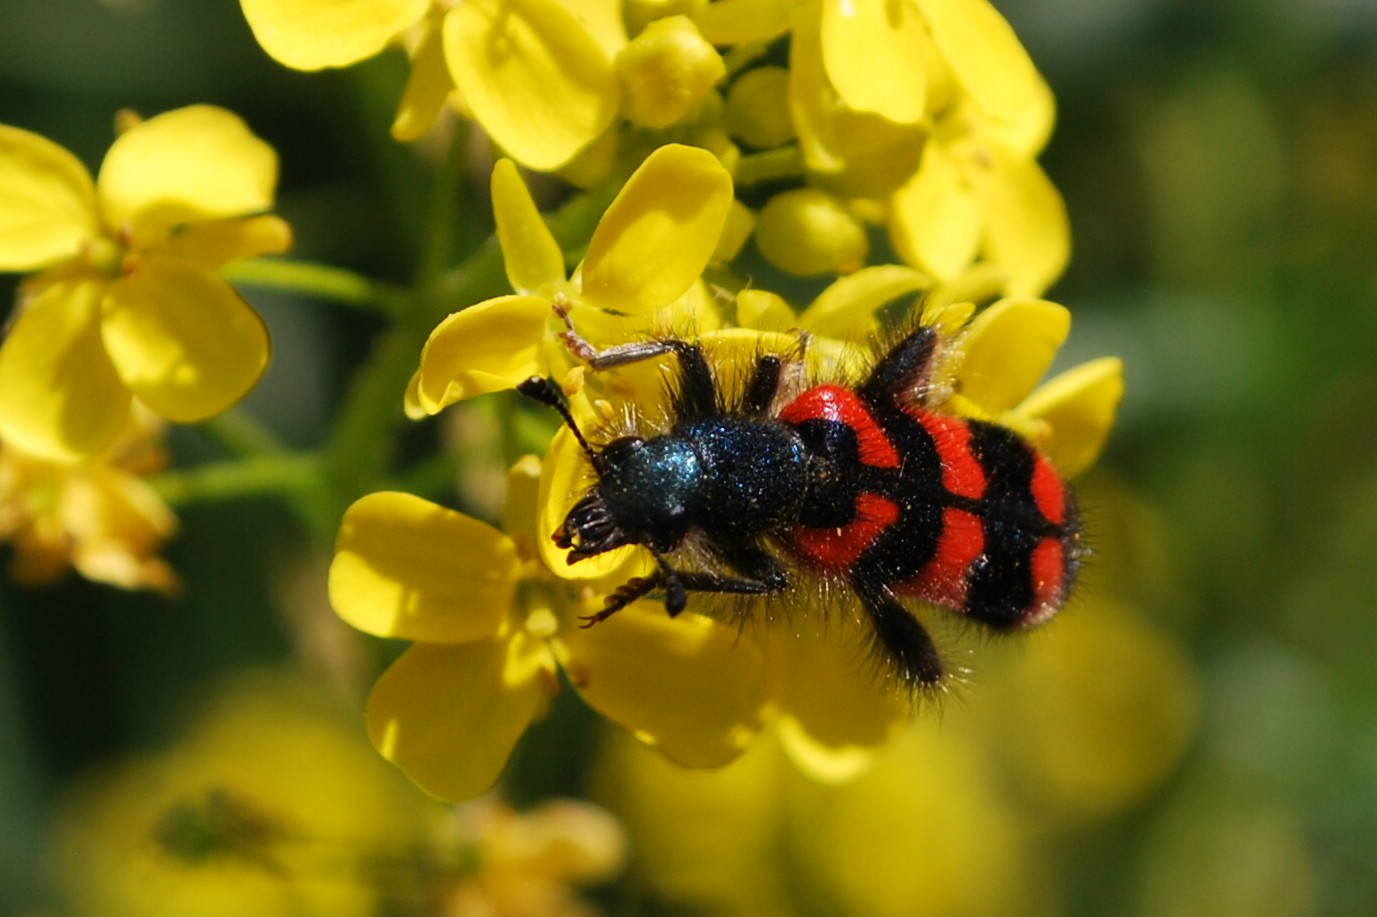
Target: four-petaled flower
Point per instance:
(536, 74)
(643, 268)
(491, 628)
(128, 302)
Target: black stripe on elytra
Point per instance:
(908, 545)
(1000, 583)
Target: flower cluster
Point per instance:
(274, 805)
(128, 303)
(884, 155)
(923, 116)
(494, 614)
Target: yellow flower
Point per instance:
(98, 517)
(536, 74)
(491, 627)
(528, 863)
(925, 115)
(646, 256)
(271, 806)
(1096, 715)
(753, 838)
(129, 303)
(978, 191)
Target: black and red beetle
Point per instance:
(862, 484)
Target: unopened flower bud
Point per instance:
(807, 231)
(758, 108)
(666, 71)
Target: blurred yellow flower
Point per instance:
(926, 831)
(492, 627)
(646, 256)
(97, 517)
(1094, 714)
(269, 807)
(129, 302)
(274, 804)
(528, 863)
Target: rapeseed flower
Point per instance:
(129, 303)
(924, 116)
(98, 517)
(492, 627)
(536, 74)
(643, 267)
(528, 864)
(275, 805)
(547, 80)
(270, 806)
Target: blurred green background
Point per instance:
(1219, 161)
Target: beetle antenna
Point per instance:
(539, 388)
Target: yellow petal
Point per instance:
(407, 568)
(1027, 233)
(846, 309)
(937, 216)
(118, 522)
(182, 340)
(835, 708)
(534, 74)
(1027, 134)
(427, 89)
(215, 244)
(738, 22)
(1008, 348)
(520, 511)
(854, 153)
(764, 310)
(411, 400)
(59, 396)
(449, 715)
(485, 348)
(872, 52)
(195, 163)
(603, 20)
(532, 256)
(312, 34)
(47, 202)
(1079, 405)
(984, 54)
(692, 687)
(659, 233)
(740, 223)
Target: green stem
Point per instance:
(240, 434)
(320, 281)
(769, 165)
(289, 476)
